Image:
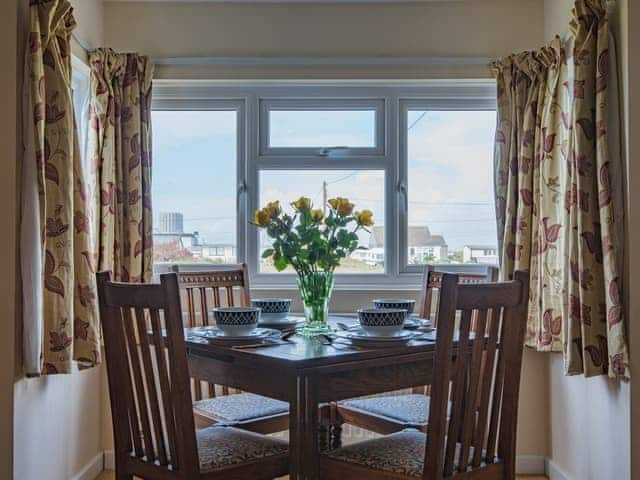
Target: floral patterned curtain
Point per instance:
(554, 198)
(120, 149)
(58, 262)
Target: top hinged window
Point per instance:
(323, 128)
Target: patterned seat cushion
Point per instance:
(401, 453)
(411, 409)
(227, 446)
(239, 407)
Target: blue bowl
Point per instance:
(382, 322)
(396, 303)
(273, 308)
(236, 321)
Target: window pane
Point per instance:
(364, 188)
(194, 186)
(450, 187)
(322, 128)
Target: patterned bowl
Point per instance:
(381, 322)
(236, 321)
(273, 308)
(402, 304)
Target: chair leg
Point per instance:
(336, 428)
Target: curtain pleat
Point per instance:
(120, 150)
(59, 299)
(555, 204)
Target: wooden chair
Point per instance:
(153, 425)
(202, 292)
(395, 412)
(460, 443)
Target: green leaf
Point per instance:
(281, 264)
(267, 253)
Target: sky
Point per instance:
(450, 179)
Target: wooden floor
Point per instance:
(108, 475)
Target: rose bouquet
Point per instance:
(313, 242)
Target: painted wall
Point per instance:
(589, 428)
(56, 419)
(465, 28)
(8, 148)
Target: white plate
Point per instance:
(416, 322)
(213, 333)
(402, 335)
(280, 323)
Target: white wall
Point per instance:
(465, 28)
(57, 419)
(590, 418)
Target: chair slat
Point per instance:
(154, 409)
(216, 296)
(493, 323)
(469, 416)
(230, 301)
(496, 402)
(140, 394)
(204, 307)
(165, 389)
(457, 396)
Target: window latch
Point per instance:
(242, 187)
(327, 151)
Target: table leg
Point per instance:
(311, 430)
(296, 428)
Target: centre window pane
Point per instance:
(451, 215)
(322, 128)
(194, 186)
(364, 188)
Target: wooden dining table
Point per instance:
(307, 372)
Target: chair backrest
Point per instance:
(153, 424)
(432, 280)
(227, 285)
(207, 289)
(483, 371)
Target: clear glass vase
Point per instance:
(315, 290)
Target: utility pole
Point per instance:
(324, 197)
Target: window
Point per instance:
(449, 204)
(419, 157)
(194, 186)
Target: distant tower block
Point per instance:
(170, 222)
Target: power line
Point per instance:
(416, 121)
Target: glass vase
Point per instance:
(315, 290)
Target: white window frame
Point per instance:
(325, 104)
(252, 99)
(432, 104)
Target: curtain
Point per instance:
(557, 213)
(57, 259)
(120, 151)
(532, 130)
(596, 340)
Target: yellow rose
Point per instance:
(302, 204)
(262, 217)
(272, 209)
(365, 218)
(342, 206)
(317, 215)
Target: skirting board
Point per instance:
(554, 472)
(92, 469)
(525, 465)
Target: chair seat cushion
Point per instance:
(220, 447)
(239, 407)
(410, 409)
(401, 453)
